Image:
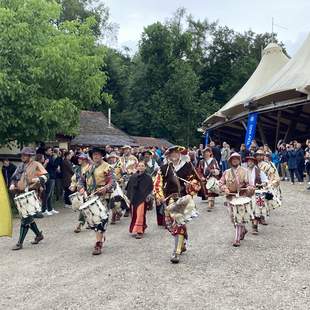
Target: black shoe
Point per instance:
(126, 213)
(17, 247)
(39, 215)
(175, 258)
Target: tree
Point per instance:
(48, 71)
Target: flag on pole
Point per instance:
(5, 210)
(250, 130)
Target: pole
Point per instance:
(109, 118)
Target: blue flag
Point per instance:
(251, 129)
(206, 138)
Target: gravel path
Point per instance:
(269, 271)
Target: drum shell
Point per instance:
(95, 211)
(27, 204)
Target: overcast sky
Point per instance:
(294, 15)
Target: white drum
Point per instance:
(276, 201)
(213, 186)
(241, 208)
(76, 201)
(118, 192)
(260, 207)
(95, 211)
(183, 210)
(27, 204)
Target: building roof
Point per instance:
(149, 141)
(273, 59)
(95, 130)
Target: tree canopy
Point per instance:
(53, 63)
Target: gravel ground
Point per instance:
(269, 271)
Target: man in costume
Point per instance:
(119, 201)
(30, 175)
(234, 183)
(175, 179)
(273, 180)
(80, 170)
(139, 191)
(207, 168)
(150, 163)
(98, 180)
(257, 179)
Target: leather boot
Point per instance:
(98, 248)
(38, 238)
(175, 258)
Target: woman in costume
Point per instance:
(139, 191)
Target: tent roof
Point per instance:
(293, 78)
(273, 59)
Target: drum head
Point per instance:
(210, 183)
(88, 203)
(241, 200)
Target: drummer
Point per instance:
(257, 179)
(208, 168)
(30, 175)
(175, 179)
(80, 170)
(98, 180)
(273, 179)
(234, 182)
(119, 201)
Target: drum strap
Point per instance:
(236, 178)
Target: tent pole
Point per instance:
(261, 132)
(277, 130)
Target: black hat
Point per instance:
(149, 152)
(97, 150)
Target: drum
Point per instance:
(213, 186)
(95, 211)
(76, 201)
(118, 194)
(27, 204)
(260, 207)
(241, 208)
(276, 200)
(183, 210)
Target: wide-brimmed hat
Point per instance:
(207, 149)
(149, 152)
(234, 155)
(259, 152)
(27, 151)
(97, 150)
(268, 154)
(175, 148)
(83, 156)
(126, 147)
(112, 155)
(251, 158)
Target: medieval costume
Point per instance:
(151, 164)
(234, 182)
(208, 168)
(80, 170)
(118, 201)
(257, 180)
(30, 175)
(99, 181)
(175, 179)
(139, 190)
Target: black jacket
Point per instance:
(8, 172)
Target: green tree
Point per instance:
(47, 72)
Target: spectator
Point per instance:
(51, 166)
(58, 155)
(216, 152)
(67, 173)
(8, 170)
(283, 158)
(243, 153)
(307, 160)
(292, 162)
(300, 158)
(41, 148)
(200, 153)
(225, 153)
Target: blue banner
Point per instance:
(251, 129)
(207, 138)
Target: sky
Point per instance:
(292, 16)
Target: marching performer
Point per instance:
(98, 180)
(129, 163)
(273, 181)
(150, 163)
(139, 191)
(80, 170)
(119, 201)
(207, 168)
(175, 179)
(257, 179)
(30, 175)
(234, 183)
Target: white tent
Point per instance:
(273, 60)
(291, 80)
